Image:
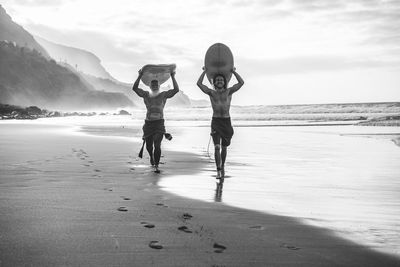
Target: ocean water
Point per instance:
(319, 113)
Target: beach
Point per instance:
(76, 194)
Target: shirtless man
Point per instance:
(153, 128)
(221, 127)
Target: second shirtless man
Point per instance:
(221, 127)
(153, 128)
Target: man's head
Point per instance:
(219, 82)
(154, 86)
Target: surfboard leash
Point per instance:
(208, 147)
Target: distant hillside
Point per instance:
(27, 78)
(108, 85)
(12, 32)
(78, 81)
(89, 66)
(200, 103)
(179, 100)
(82, 60)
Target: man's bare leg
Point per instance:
(217, 155)
(157, 150)
(223, 158)
(149, 148)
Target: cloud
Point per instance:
(266, 3)
(378, 25)
(306, 38)
(242, 3)
(39, 3)
(316, 5)
(100, 43)
(312, 64)
(121, 57)
(161, 25)
(341, 5)
(389, 40)
(370, 16)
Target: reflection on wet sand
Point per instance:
(218, 190)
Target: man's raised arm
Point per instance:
(237, 86)
(136, 89)
(200, 84)
(175, 90)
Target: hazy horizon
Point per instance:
(288, 52)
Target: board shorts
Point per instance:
(151, 128)
(221, 131)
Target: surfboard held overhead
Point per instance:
(218, 60)
(159, 72)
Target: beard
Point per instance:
(219, 87)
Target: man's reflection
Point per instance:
(218, 191)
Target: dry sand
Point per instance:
(76, 200)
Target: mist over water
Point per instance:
(311, 113)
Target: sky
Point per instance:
(287, 51)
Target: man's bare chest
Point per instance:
(155, 101)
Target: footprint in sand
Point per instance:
(96, 170)
(122, 209)
(219, 248)
(155, 245)
(125, 198)
(257, 227)
(148, 225)
(291, 247)
(184, 229)
(187, 216)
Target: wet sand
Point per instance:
(344, 178)
(77, 200)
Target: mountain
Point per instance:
(179, 100)
(12, 32)
(78, 81)
(82, 60)
(27, 78)
(89, 67)
(200, 103)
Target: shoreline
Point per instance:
(55, 210)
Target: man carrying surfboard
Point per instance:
(153, 128)
(221, 127)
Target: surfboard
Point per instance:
(159, 72)
(218, 60)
